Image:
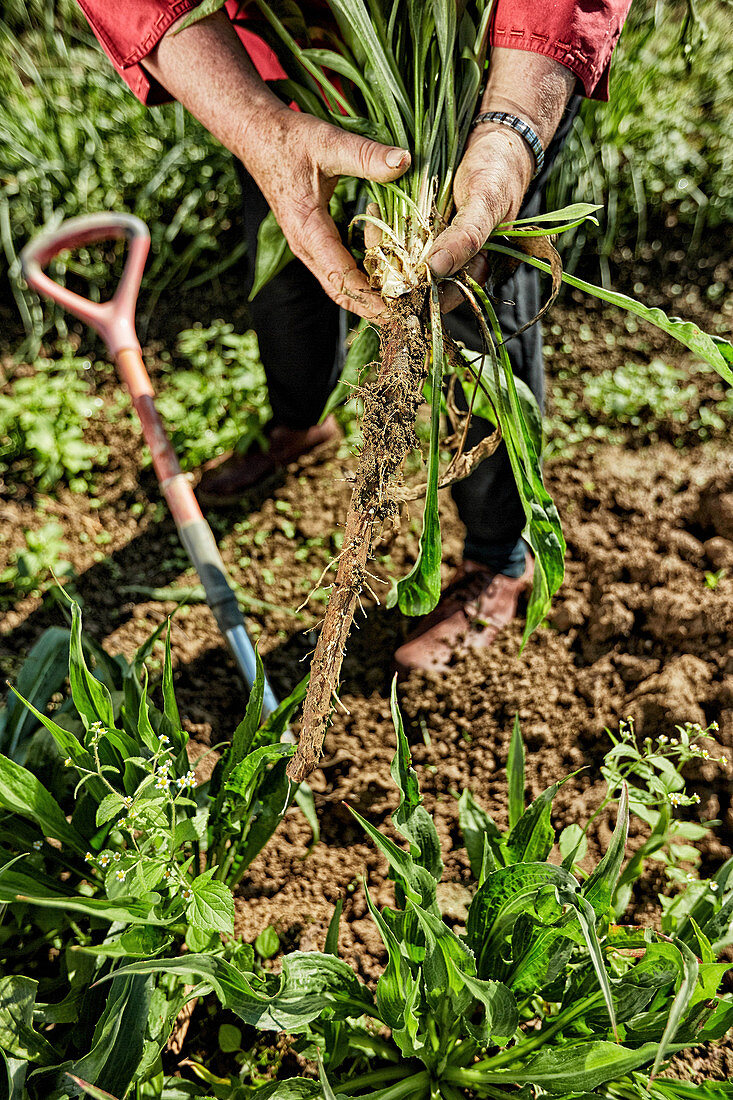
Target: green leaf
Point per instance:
(411, 817)
(273, 253)
(245, 732)
(515, 774)
(680, 1004)
(501, 1018)
(364, 349)
(91, 698)
(119, 1036)
(573, 845)
(332, 935)
(171, 724)
(396, 987)
(446, 960)
(573, 1068)
(17, 1037)
(506, 893)
(601, 886)
(714, 350)
(267, 943)
(417, 882)
(543, 531)
(244, 778)
(479, 833)
(22, 794)
(89, 1089)
(42, 673)
(109, 808)
(230, 1038)
(211, 908)
(419, 591)
(587, 920)
(138, 942)
(531, 839)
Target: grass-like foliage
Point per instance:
(110, 850)
(538, 988)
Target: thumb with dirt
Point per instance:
(297, 169)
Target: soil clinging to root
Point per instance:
(390, 404)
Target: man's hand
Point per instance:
(297, 165)
(498, 164)
(295, 159)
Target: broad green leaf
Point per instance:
(539, 952)
(22, 794)
(419, 591)
(211, 906)
(124, 910)
(395, 987)
(67, 743)
(119, 1036)
(572, 1068)
(573, 845)
(171, 723)
(17, 1036)
(587, 920)
(364, 349)
(42, 673)
(446, 960)
(531, 839)
(715, 351)
(501, 1018)
(273, 253)
(515, 775)
(506, 893)
(109, 808)
(411, 817)
(245, 732)
(243, 780)
(138, 942)
(267, 943)
(480, 834)
(600, 887)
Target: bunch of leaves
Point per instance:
(42, 420)
(659, 152)
(67, 124)
(220, 401)
(34, 567)
(115, 852)
(539, 990)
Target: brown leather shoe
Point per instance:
(471, 612)
(225, 479)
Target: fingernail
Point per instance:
(441, 263)
(397, 157)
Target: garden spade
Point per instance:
(114, 321)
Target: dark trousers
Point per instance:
(297, 327)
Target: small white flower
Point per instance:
(105, 859)
(134, 812)
(68, 762)
(704, 754)
(714, 886)
(187, 894)
(117, 857)
(714, 727)
(164, 740)
(89, 857)
(120, 875)
(696, 799)
(167, 873)
(675, 798)
(37, 845)
(690, 877)
(127, 802)
(674, 741)
(187, 780)
(724, 761)
(662, 739)
(162, 783)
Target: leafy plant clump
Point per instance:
(410, 75)
(538, 990)
(111, 850)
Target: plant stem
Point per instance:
(376, 1077)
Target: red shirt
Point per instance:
(580, 34)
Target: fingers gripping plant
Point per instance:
(408, 73)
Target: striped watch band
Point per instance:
(505, 119)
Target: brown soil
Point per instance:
(635, 631)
